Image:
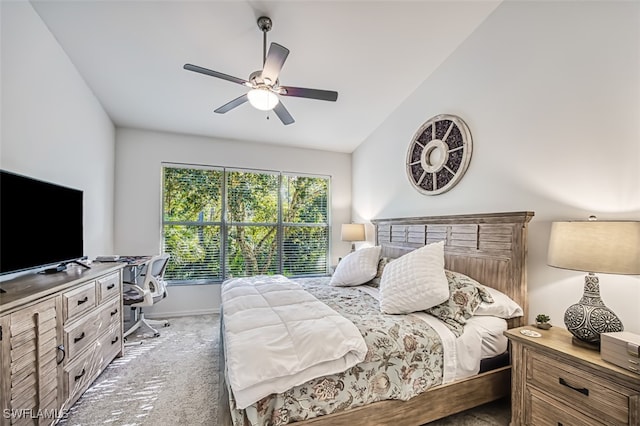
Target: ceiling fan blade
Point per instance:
(301, 92)
(212, 73)
(283, 114)
(274, 61)
(231, 105)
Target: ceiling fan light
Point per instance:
(263, 99)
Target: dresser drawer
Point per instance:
(78, 375)
(82, 371)
(78, 301)
(84, 332)
(80, 336)
(579, 389)
(110, 314)
(110, 345)
(108, 286)
(547, 411)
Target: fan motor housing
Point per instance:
(256, 79)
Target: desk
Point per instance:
(133, 268)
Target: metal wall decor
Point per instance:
(439, 154)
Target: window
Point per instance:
(220, 223)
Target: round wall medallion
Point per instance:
(439, 154)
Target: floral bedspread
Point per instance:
(404, 358)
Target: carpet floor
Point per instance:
(173, 380)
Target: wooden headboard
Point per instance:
(490, 248)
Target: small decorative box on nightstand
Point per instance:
(622, 349)
(555, 382)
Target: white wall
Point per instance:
(551, 94)
(139, 155)
(550, 91)
(52, 126)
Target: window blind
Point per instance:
(220, 223)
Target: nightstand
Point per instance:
(554, 382)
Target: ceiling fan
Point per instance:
(264, 84)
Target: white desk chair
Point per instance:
(152, 290)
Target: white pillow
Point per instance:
(502, 307)
(357, 267)
(415, 281)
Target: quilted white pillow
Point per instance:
(415, 281)
(357, 267)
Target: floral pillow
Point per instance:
(375, 281)
(465, 295)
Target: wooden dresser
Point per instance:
(555, 382)
(57, 333)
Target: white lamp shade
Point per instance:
(352, 232)
(611, 247)
(263, 99)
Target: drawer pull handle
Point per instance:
(114, 312)
(110, 286)
(77, 339)
(61, 349)
(86, 299)
(80, 375)
(583, 391)
(114, 340)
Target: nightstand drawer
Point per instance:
(546, 411)
(554, 382)
(577, 389)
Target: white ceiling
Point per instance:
(373, 53)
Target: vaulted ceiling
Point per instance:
(373, 53)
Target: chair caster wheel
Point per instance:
(156, 334)
(166, 324)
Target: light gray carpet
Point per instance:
(173, 380)
(168, 380)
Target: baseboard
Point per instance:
(162, 315)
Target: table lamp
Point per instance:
(611, 247)
(352, 232)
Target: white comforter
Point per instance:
(277, 336)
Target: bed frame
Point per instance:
(491, 248)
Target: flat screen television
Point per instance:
(40, 224)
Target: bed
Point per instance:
(490, 248)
